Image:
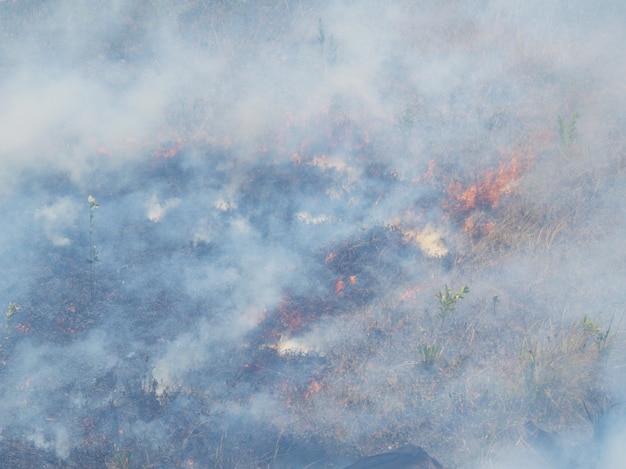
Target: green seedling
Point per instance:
(12, 309)
(429, 354)
(567, 131)
(448, 300)
(10, 312)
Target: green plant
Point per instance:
(567, 132)
(594, 331)
(11, 310)
(429, 353)
(93, 250)
(448, 300)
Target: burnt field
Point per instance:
(286, 234)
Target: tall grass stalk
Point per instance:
(93, 250)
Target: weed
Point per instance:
(329, 56)
(568, 131)
(448, 300)
(495, 301)
(11, 310)
(321, 35)
(407, 120)
(559, 366)
(594, 331)
(429, 353)
(531, 371)
(604, 417)
(120, 459)
(93, 250)
(149, 402)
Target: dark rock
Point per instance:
(405, 457)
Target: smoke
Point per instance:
(291, 199)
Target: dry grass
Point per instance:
(473, 394)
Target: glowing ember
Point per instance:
(171, 150)
(314, 387)
(410, 293)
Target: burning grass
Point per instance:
(356, 365)
(454, 379)
(366, 221)
(486, 192)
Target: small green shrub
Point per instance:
(448, 300)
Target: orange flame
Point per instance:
(314, 387)
(173, 149)
(487, 191)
